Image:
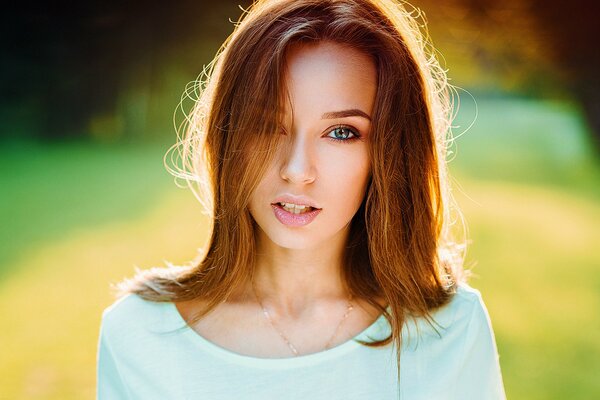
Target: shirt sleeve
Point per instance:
(479, 376)
(110, 384)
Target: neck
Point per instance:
(294, 281)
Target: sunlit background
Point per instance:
(87, 96)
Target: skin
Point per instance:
(298, 268)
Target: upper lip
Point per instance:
(298, 200)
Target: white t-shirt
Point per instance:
(143, 355)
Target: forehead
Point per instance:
(326, 77)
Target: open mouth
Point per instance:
(294, 208)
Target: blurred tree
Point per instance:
(538, 47)
(89, 68)
(491, 46)
(574, 30)
(67, 67)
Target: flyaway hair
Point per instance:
(400, 246)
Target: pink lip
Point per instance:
(290, 219)
(294, 199)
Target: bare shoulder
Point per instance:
(235, 307)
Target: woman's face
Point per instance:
(324, 161)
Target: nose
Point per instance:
(298, 165)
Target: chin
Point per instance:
(293, 241)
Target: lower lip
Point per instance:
(291, 219)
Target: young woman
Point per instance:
(319, 148)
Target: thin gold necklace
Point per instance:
(285, 339)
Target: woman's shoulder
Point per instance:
(126, 306)
(465, 305)
(464, 310)
(465, 300)
(133, 315)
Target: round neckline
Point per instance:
(284, 362)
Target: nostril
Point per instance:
(298, 165)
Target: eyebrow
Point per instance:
(354, 112)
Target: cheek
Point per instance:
(357, 184)
(349, 181)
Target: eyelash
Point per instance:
(347, 140)
(333, 139)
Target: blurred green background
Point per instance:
(87, 96)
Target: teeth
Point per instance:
(294, 208)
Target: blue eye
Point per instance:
(343, 134)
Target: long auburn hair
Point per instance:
(399, 247)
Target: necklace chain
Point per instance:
(285, 339)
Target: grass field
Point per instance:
(76, 217)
